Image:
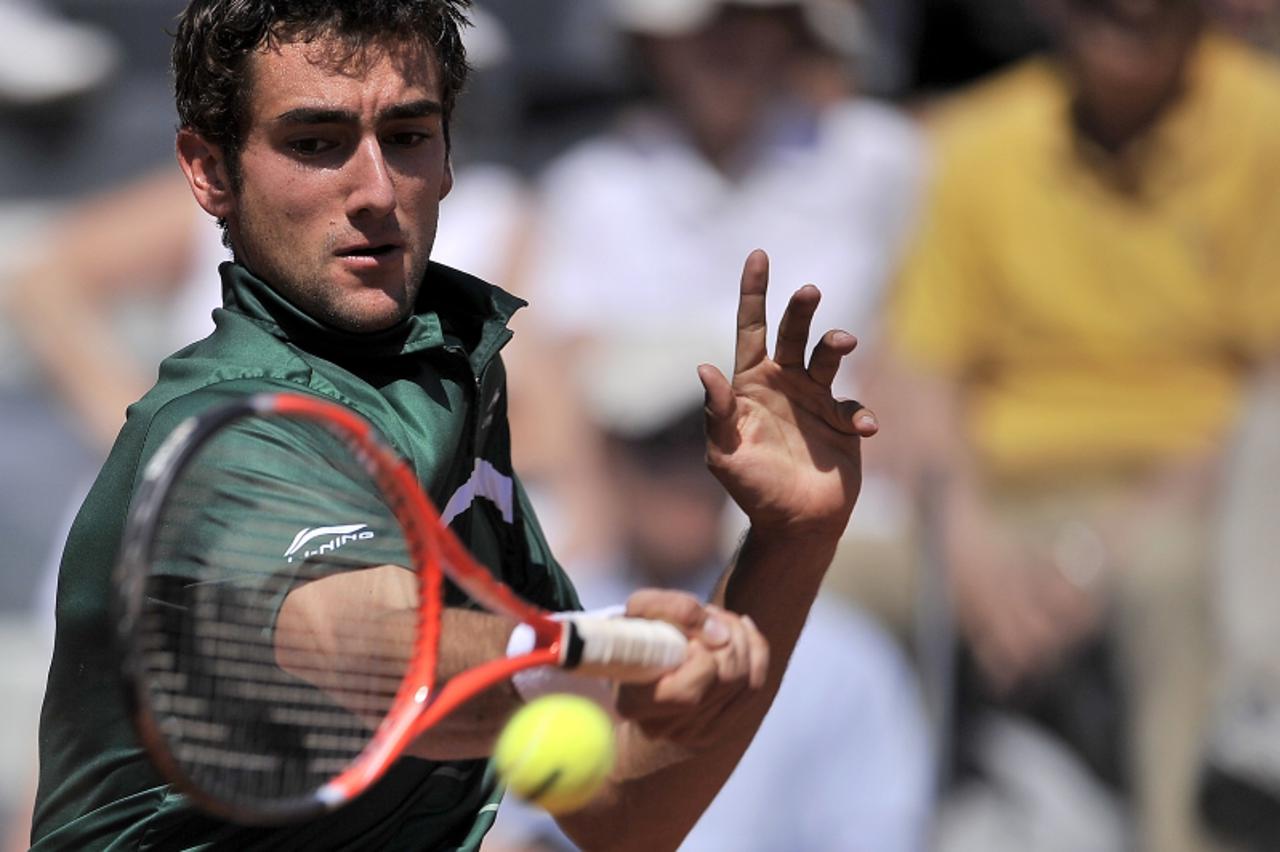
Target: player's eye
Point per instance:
(311, 147)
(408, 138)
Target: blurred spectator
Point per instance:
(144, 242)
(754, 136)
(842, 761)
(1094, 282)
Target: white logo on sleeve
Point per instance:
(335, 537)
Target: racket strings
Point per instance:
(261, 511)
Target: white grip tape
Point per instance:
(536, 682)
(632, 643)
(607, 640)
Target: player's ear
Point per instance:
(446, 184)
(205, 166)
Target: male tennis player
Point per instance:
(318, 133)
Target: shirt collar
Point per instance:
(452, 307)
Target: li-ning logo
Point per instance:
(339, 536)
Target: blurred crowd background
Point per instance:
(1053, 224)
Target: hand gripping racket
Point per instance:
(255, 499)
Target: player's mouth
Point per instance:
(370, 255)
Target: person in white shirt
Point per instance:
(754, 135)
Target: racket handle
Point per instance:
(631, 645)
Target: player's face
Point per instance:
(342, 170)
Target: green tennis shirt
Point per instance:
(434, 387)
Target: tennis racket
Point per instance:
(252, 501)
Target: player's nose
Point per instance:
(372, 185)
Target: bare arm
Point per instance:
(111, 248)
(1017, 616)
(315, 640)
(789, 454)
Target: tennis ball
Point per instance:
(556, 752)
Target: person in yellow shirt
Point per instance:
(1096, 276)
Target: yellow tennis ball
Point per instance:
(556, 752)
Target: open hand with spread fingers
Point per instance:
(788, 452)
(784, 447)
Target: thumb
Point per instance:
(720, 409)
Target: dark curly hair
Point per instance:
(215, 38)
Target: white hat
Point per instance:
(634, 383)
(837, 24)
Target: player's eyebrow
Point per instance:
(329, 115)
(413, 109)
(317, 115)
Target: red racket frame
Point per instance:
(436, 553)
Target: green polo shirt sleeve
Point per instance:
(266, 504)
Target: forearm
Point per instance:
(658, 791)
(789, 454)
(72, 342)
(318, 640)
(471, 638)
(774, 581)
(133, 243)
